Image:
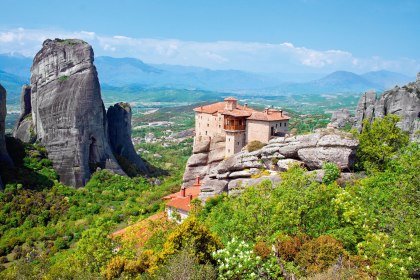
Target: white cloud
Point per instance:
(248, 56)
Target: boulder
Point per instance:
(4, 155)
(340, 139)
(285, 164)
(341, 118)
(202, 146)
(25, 131)
(67, 111)
(238, 185)
(119, 133)
(210, 188)
(314, 158)
(197, 160)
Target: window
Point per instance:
(285, 124)
(228, 150)
(206, 132)
(207, 125)
(238, 143)
(276, 125)
(220, 126)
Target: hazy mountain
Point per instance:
(387, 79)
(13, 85)
(128, 74)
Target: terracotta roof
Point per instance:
(219, 107)
(177, 200)
(272, 115)
(230, 98)
(211, 108)
(237, 113)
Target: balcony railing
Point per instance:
(234, 127)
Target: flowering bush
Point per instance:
(238, 261)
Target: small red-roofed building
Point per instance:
(239, 124)
(178, 204)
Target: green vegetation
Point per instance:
(299, 228)
(63, 78)
(254, 145)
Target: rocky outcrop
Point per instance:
(67, 111)
(119, 130)
(250, 168)
(401, 101)
(207, 152)
(5, 159)
(341, 118)
(24, 129)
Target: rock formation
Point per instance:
(341, 118)
(4, 155)
(207, 153)
(119, 130)
(24, 129)
(243, 169)
(67, 110)
(401, 101)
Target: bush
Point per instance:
(331, 173)
(254, 145)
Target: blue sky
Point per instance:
(316, 36)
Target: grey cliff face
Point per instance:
(365, 108)
(24, 129)
(401, 101)
(4, 155)
(341, 118)
(68, 114)
(119, 130)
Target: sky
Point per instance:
(278, 36)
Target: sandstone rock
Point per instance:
(211, 188)
(119, 132)
(285, 164)
(191, 174)
(239, 185)
(197, 160)
(4, 155)
(401, 101)
(24, 130)
(202, 146)
(341, 118)
(243, 173)
(217, 153)
(314, 158)
(68, 112)
(334, 140)
(365, 108)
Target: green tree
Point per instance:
(379, 142)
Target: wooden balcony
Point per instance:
(234, 127)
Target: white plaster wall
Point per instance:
(207, 124)
(235, 141)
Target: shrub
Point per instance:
(331, 173)
(254, 145)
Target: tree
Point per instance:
(379, 142)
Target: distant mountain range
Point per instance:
(133, 73)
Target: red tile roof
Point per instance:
(177, 200)
(230, 98)
(271, 115)
(242, 111)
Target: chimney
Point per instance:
(281, 113)
(197, 182)
(190, 196)
(246, 105)
(183, 189)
